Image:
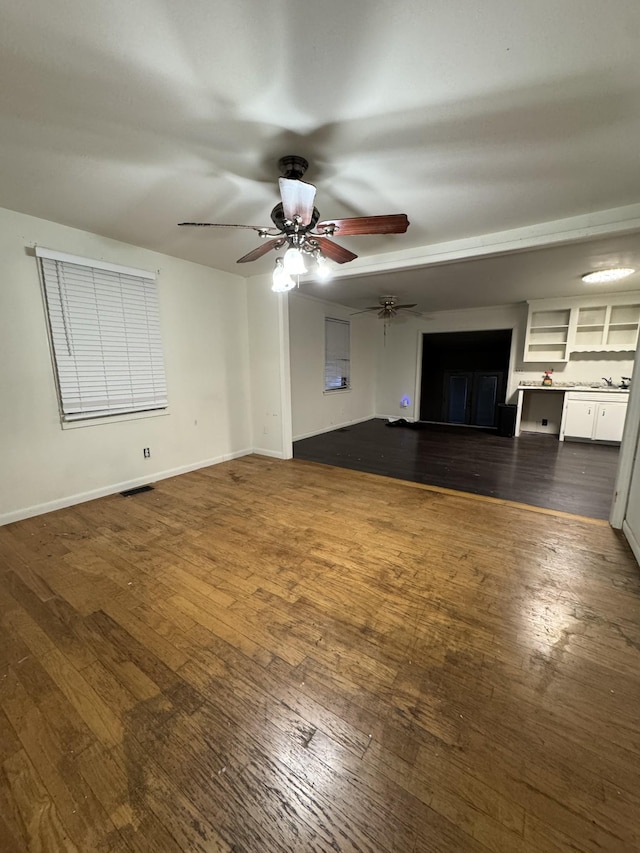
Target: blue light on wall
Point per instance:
(405, 402)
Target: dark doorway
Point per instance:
(464, 376)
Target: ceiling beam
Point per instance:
(602, 223)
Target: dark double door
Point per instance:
(464, 376)
(471, 397)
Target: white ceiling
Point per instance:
(125, 118)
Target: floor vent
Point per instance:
(129, 492)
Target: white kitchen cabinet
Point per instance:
(547, 335)
(606, 328)
(609, 421)
(558, 327)
(580, 418)
(598, 417)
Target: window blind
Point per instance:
(337, 361)
(105, 332)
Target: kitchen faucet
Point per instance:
(608, 381)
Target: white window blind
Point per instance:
(105, 333)
(337, 359)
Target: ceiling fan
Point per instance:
(296, 228)
(388, 308)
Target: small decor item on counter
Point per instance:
(626, 382)
(546, 379)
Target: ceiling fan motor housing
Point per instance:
(292, 166)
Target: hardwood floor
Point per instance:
(269, 656)
(575, 477)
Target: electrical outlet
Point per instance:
(146, 452)
(545, 422)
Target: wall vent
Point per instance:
(129, 492)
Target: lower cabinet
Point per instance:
(579, 418)
(609, 421)
(596, 417)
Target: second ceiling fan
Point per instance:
(388, 308)
(296, 228)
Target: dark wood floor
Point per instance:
(283, 657)
(534, 469)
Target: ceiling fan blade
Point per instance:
(297, 199)
(261, 250)
(224, 225)
(396, 223)
(364, 310)
(333, 251)
(406, 307)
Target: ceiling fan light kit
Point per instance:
(323, 271)
(282, 281)
(293, 262)
(296, 225)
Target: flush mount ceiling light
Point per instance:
(604, 276)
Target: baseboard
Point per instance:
(115, 488)
(395, 418)
(631, 539)
(273, 454)
(332, 428)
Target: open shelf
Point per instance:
(554, 331)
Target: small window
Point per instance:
(105, 333)
(337, 360)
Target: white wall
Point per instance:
(399, 352)
(581, 368)
(312, 409)
(399, 355)
(205, 337)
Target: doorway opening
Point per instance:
(464, 377)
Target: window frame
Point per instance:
(103, 322)
(331, 327)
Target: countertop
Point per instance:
(596, 389)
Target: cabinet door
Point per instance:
(580, 418)
(610, 421)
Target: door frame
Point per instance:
(627, 457)
(509, 380)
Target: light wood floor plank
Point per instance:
(286, 657)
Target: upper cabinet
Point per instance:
(606, 328)
(547, 334)
(558, 327)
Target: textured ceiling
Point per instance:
(124, 118)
